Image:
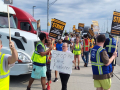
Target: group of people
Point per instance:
(102, 52)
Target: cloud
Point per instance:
(72, 11)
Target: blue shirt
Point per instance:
(59, 46)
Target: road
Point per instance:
(21, 82)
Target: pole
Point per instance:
(47, 14)
(9, 22)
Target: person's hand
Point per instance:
(11, 45)
(82, 54)
(51, 47)
(73, 61)
(115, 54)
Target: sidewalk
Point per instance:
(82, 79)
(79, 80)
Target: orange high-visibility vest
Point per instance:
(85, 45)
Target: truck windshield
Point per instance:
(34, 24)
(4, 21)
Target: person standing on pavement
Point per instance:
(101, 65)
(110, 46)
(77, 47)
(39, 62)
(67, 41)
(58, 48)
(64, 76)
(85, 50)
(6, 61)
(48, 73)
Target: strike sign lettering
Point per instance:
(57, 28)
(115, 29)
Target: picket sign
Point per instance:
(9, 22)
(62, 61)
(116, 47)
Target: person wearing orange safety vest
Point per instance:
(92, 42)
(85, 54)
(6, 61)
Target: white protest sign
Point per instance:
(62, 61)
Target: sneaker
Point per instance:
(47, 82)
(56, 79)
(28, 88)
(78, 68)
(75, 68)
(48, 87)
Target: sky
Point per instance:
(72, 11)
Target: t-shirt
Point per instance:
(105, 59)
(6, 66)
(59, 46)
(67, 41)
(39, 49)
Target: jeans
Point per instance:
(85, 57)
(64, 79)
(48, 73)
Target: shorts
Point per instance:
(76, 52)
(38, 72)
(105, 83)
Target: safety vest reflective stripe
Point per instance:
(110, 45)
(98, 64)
(85, 45)
(3, 76)
(36, 52)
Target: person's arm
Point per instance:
(44, 53)
(106, 59)
(14, 57)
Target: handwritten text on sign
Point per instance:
(62, 61)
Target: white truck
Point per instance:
(25, 42)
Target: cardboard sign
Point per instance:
(90, 33)
(95, 26)
(81, 26)
(57, 29)
(74, 28)
(115, 29)
(9, 2)
(91, 26)
(62, 61)
(77, 31)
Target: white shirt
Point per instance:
(6, 66)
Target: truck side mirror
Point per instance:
(17, 34)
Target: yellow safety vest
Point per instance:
(4, 76)
(36, 57)
(77, 49)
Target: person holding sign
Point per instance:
(6, 61)
(64, 76)
(39, 62)
(77, 47)
(110, 45)
(101, 65)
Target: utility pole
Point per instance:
(48, 6)
(107, 24)
(33, 10)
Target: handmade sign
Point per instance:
(74, 28)
(62, 61)
(95, 26)
(57, 29)
(90, 33)
(81, 26)
(91, 26)
(115, 29)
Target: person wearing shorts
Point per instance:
(77, 51)
(101, 65)
(39, 62)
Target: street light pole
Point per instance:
(33, 10)
(48, 6)
(47, 14)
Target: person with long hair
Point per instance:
(77, 47)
